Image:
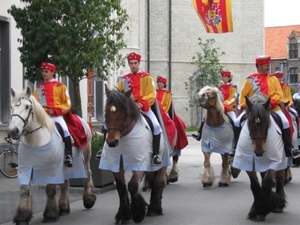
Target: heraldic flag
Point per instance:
(215, 15)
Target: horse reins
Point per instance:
(25, 121)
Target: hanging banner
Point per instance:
(216, 15)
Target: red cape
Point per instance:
(76, 129)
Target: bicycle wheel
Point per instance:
(9, 164)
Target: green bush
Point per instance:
(97, 142)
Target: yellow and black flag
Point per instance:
(216, 15)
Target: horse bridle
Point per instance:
(25, 121)
(257, 120)
(206, 100)
(124, 126)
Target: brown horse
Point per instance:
(128, 146)
(260, 149)
(41, 154)
(217, 135)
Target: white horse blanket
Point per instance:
(136, 151)
(217, 139)
(46, 163)
(273, 157)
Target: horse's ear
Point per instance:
(13, 93)
(28, 91)
(248, 102)
(266, 105)
(107, 91)
(128, 93)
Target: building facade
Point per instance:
(284, 50)
(166, 34)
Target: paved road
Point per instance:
(184, 202)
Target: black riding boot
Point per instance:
(199, 133)
(236, 134)
(286, 137)
(68, 151)
(99, 153)
(156, 161)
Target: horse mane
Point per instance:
(118, 98)
(219, 102)
(39, 113)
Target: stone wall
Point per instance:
(240, 47)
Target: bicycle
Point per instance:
(9, 160)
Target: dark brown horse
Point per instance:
(260, 149)
(128, 147)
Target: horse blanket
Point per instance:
(136, 151)
(217, 139)
(46, 163)
(273, 158)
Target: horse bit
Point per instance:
(25, 131)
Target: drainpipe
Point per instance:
(170, 45)
(148, 36)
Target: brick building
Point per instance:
(282, 44)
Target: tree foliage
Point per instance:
(208, 67)
(75, 35)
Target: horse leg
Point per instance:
(225, 173)
(173, 175)
(124, 214)
(51, 212)
(89, 196)
(138, 204)
(288, 175)
(157, 184)
(208, 177)
(255, 214)
(24, 211)
(280, 181)
(63, 202)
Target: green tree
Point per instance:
(75, 35)
(208, 67)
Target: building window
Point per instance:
(293, 51)
(293, 75)
(4, 70)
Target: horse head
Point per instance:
(22, 112)
(209, 97)
(297, 105)
(121, 114)
(258, 110)
(27, 115)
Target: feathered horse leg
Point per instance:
(208, 176)
(225, 173)
(24, 211)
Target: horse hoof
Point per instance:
(235, 172)
(223, 185)
(63, 213)
(22, 223)
(49, 220)
(207, 185)
(173, 180)
(257, 218)
(277, 210)
(122, 221)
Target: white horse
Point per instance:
(41, 157)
